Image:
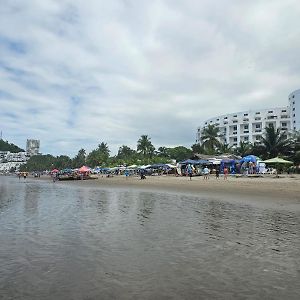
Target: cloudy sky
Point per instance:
(76, 73)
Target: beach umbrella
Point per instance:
(54, 171)
(84, 169)
(277, 160)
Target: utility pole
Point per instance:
(1, 135)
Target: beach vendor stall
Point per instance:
(197, 166)
(248, 164)
(84, 172)
(230, 164)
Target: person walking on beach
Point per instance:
(206, 173)
(217, 173)
(225, 173)
(24, 175)
(189, 171)
(126, 173)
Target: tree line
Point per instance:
(273, 143)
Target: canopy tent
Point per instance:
(158, 166)
(249, 158)
(277, 160)
(54, 171)
(84, 169)
(228, 163)
(195, 162)
(132, 167)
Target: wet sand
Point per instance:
(285, 189)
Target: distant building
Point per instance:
(32, 147)
(10, 160)
(248, 126)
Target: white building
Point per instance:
(9, 160)
(32, 147)
(248, 126)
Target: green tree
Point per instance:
(197, 148)
(125, 152)
(80, 159)
(6, 146)
(163, 152)
(223, 148)
(145, 147)
(274, 143)
(209, 137)
(243, 149)
(180, 153)
(99, 156)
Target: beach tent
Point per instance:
(84, 169)
(195, 162)
(54, 171)
(229, 163)
(249, 158)
(277, 160)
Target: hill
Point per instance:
(6, 146)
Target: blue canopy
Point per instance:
(249, 158)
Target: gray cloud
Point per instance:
(74, 74)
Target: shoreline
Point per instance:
(281, 191)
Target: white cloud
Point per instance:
(75, 73)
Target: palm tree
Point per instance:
(145, 146)
(209, 137)
(224, 148)
(275, 142)
(243, 149)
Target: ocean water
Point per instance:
(66, 241)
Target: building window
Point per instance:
(258, 137)
(270, 111)
(246, 138)
(257, 119)
(235, 121)
(246, 126)
(293, 108)
(235, 116)
(257, 126)
(284, 110)
(293, 96)
(235, 139)
(245, 115)
(257, 113)
(283, 124)
(234, 127)
(294, 115)
(225, 118)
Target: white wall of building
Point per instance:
(249, 126)
(294, 100)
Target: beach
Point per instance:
(282, 190)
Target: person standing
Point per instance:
(225, 173)
(206, 173)
(217, 173)
(189, 171)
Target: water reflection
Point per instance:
(61, 241)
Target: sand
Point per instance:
(285, 189)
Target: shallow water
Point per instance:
(62, 241)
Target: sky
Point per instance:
(77, 73)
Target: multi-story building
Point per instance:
(248, 126)
(32, 147)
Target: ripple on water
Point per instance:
(71, 242)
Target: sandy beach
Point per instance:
(285, 189)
